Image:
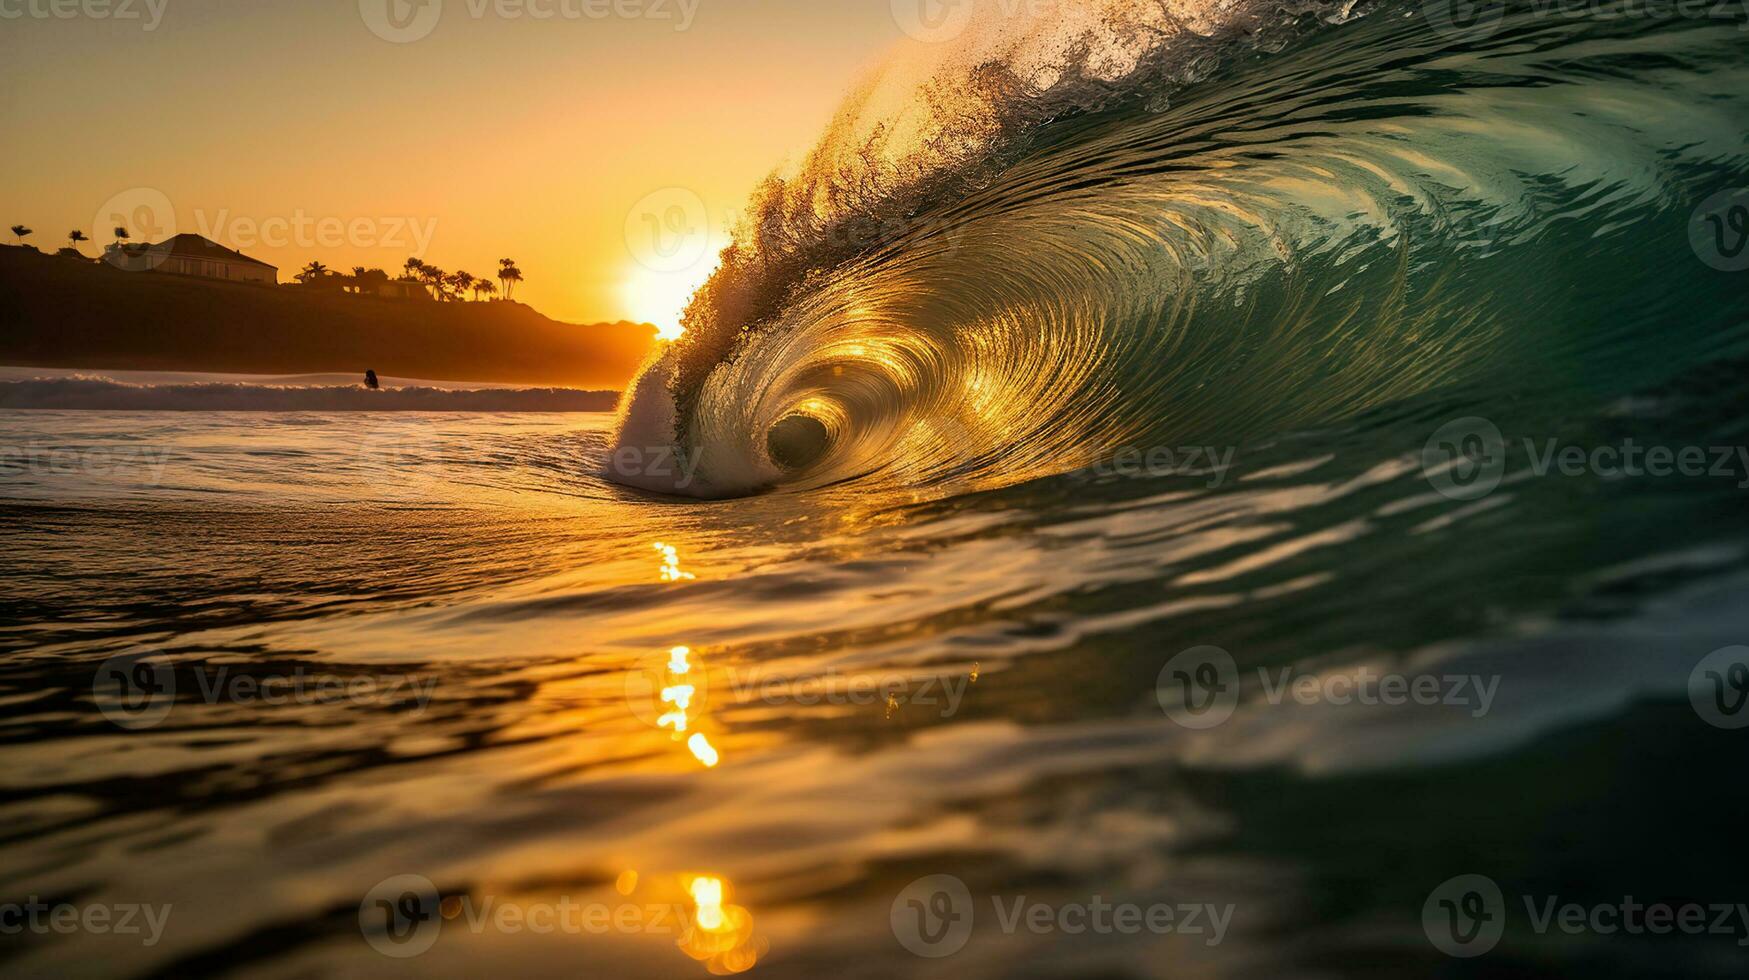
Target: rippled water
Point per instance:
(889, 691)
(1287, 486)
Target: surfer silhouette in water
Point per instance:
(370, 381)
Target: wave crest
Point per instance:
(1147, 222)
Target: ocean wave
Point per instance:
(1151, 223)
(96, 393)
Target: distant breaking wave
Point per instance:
(88, 393)
(1206, 220)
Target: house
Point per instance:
(192, 255)
(401, 289)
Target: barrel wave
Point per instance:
(1202, 224)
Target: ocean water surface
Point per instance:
(883, 691)
(1247, 492)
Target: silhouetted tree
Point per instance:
(434, 277)
(460, 282)
(484, 287)
(76, 236)
(21, 231)
(367, 280)
(313, 272)
(509, 275)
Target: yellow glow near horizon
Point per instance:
(661, 298)
(592, 130)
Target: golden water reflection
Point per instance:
(721, 936)
(671, 570)
(678, 691)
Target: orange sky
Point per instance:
(293, 131)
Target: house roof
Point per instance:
(196, 247)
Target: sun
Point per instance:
(660, 298)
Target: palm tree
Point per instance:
(433, 276)
(460, 281)
(509, 275)
(21, 231)
(413, 267)
(76, 236)
(121, 234)
(483, 287)
(312, 272)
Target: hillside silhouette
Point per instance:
(62, 312)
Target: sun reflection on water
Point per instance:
(671, 571)
(677, 694)
(722, 934)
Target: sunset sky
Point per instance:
(295, 132)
